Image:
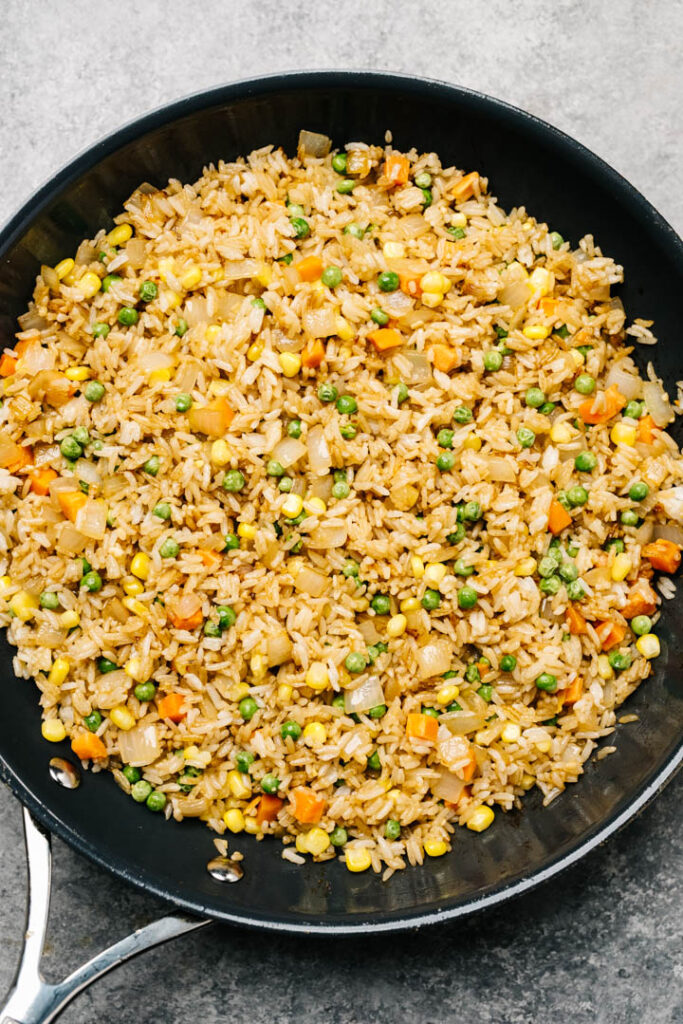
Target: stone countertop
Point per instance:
(603, 943)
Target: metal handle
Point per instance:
(31, 1000)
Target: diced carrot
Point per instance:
(87, 746)
(187, 613)
(24, 459)
(467, 773)
(558, 518)
(309, 268)
(268, 808)
(385, 338)
(410, 284)
(313, 354)
(21, 346)
(71, 502)
(171, 706)
(641, 600)
(571, 693)
(422, 727)
(663, 555)
(41, 480)
(308, 806)
(575, 621)
(210, 558)
(445, 358)
(464, 188)
(603, 406)
(647, 430)
(548, 306)
(8, 365)
(610, 634)
(397, 168)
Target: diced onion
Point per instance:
(419, 369)
(313, 144)
(139, 746)
(625, 376)
(48, 636)
(36, 358)
(448, 787)
(32, 321)
(319, 458)
(87, 472)
(85, 253)
(49, 276)
(192, 806)
(9, 453)
(278, 648)
(91, 519)
(644, 533)
(358, 162)
(671, 500)
(434, 659)
(196, 311)
(308, 581)
(151, 361)
(288, 451)
(657, 402)
(237, 270)
(453, 751)
(136, 252)
(45, 454)
(669, 531)
(397, 304)
(327, 535)
(207, 419)
(459, 723)
(369, 694)
(368, 630)
(499, 469)
(320, 323)
(111, 689)
(113, 485)
(70, 541)
(51, 386)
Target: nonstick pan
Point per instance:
(528, 163)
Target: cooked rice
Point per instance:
(295, 606)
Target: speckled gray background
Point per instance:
(602, 944)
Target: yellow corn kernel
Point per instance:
(120, 234)
(246, 530)
(480, 818)
(251, 826)
(69, 619)
(284, 693)
(624, 433)
(220, 453)
(473, 443)
(317, 677)
(459, 220)
(290, 363)
(536, 332)
(189, 753)
(170, 299)
(435, 847)
(315, 506)
(24, 605)
(621, 567)
(577, 357)
(605, 670)
(77, 373)
(218, 387)
(417, 567)
(292, 506)
(317, 841)
(53, 730)
(64, 267)
(59, 671)
(264, 275)
(410, 604)
(160, 376)
(89, 284)
(432, 299)
(344, 329)
(315, 734)
(561, 433)
(527, 567)
(648, 645)
(300, 843)
(139, 566)
(434, 281)
(135, 607)
(447, 694)
(5, 583)
(234, 820)
(362, 604)
(396, 626)
(136, 669)
(122, 718)
(191, 277)
(541, 280)
(240, 784)
(258, 663)
(394, 251)
(238, 691)
(213, 333)
(543, 745)
(435, 573)
(255, 351)
(527, 781)
(70, 279)
(358, 859)
(511, 733)
(166, 267)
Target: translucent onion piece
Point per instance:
(460, 723)
(434, 659)
(113, 485)
(88, 472)
(278, 648)
(308, 581)
(111, 689)
(91, 519)
(448, 787)
(32, 321)
(327, 535)
(136, 252)
(48, 636)
(239, 269)
(625, 375)
(288, 451)
(669, 531)
(71, 541)
(319, 458)
(150, 361)
(671, 500)
(85, 253)
(419, 368)
(209, 420)
(320, 323)
(313, 144)
(192, 806)
(36, 358)
(9, 453)
(644, 533)
(139, 746)
(657, 402)
(397, 304)
(369, 694)
(196, 311)
(499, 469)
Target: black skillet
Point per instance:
(528, 163)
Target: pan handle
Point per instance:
(31, 999)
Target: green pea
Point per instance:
(247, 708)
(140, 791)
(295, 210)
(458, 536)
(339, 701)
(568, 572)
(355, 662)
(109, 280)
(183, 402)
(49, 600)
(331, 277)
(347, 405)
(128, 316)
(162, 510)
(232, 542)
(454, 706)
(327, 392)
(629, 517)
(534, 398)
(270, 784)
(577, 496)
(258, 303)
(286, 259)
(93, 721)
(294, 428)
(156, 801)
(615, 544)
(547, 566)
(430, 712)
(227, 616)
(472, 674)
(345, 186)
(471, 511)
(467, 598)
(427, 198)
(638, 491)
(462, 414)
(131, 773)
(431, 600)
(634, 410)
(212, 629)
(444, 438)
(402, 393)
(585, 462)
(508, 663)
(350, 568)
(152, 465)
(290, 730)
(547, 408)
(244, 760)
(373, 762)
(485, 692)
(526, 437)
(348, 431)
(92, 581)
(70, 448)
(145, 691)
(105, 665)
(575, 590)
(182, 327)
(493, 360)
(355, 230)
(641, 625)
(584, 384)
(380, 604)
(169, 548)
(546, 682)
(388, 281)
(457, 233)
(584, 350)
(233, 481)
(274, 468)
(619, 660)
(94, 391)
(563, 331)
(339, 836)
(551, 585)
(378, 712)
(392, 829)
(445, 462)
(301, 227)
(460, 568)
(423, 179)
(341, 490)
(556, 239)
(148, 291)
(379, 316)
(100, 330)
(339, 161)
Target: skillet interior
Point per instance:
(527, 163)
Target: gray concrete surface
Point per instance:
(602, 944)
